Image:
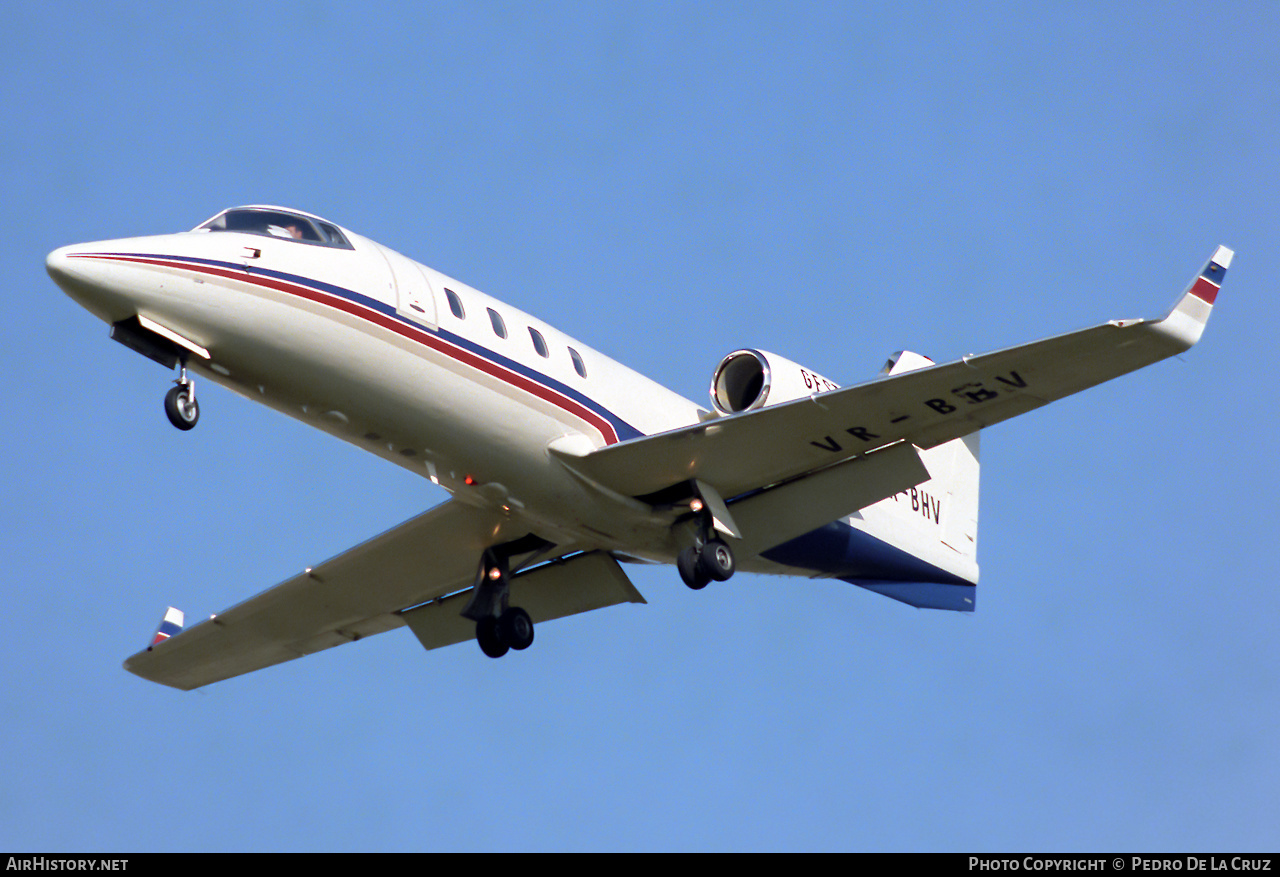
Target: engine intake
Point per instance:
(749, 379)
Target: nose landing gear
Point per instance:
(180, 402)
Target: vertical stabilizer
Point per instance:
(937, 521)
(932, 531)
(960, 524)
(933, 526)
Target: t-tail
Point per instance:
(170, 625)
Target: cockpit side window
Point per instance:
(333, 237)
(277, 223)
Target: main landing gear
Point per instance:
(513, 629)
(180, 403)
(499, 627)
(708, 559)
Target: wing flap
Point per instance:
(354, 595)
(780, 514)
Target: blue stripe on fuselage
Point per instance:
(623, 429)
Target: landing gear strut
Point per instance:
(180, 403)
(708, 559)
(499, 627)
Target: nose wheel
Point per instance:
(180, 403)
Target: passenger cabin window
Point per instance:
(455, 304)
(499, 327)
(578, 365)
(539, 343)
(279, 224)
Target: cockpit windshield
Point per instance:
(278, 223)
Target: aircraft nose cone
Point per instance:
(90, 282)
(71, 270)
(58, 264)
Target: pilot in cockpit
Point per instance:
(289, 229)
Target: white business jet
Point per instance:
(560, 462)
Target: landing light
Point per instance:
(695, 505)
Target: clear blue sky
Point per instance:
(666, 182)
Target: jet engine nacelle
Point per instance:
(750, 379)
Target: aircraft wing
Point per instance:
(745, 452)
(362, 592)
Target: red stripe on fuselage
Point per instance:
(436, 343)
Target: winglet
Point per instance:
(170, 625)
(1185, 322)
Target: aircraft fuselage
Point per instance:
(362, 343)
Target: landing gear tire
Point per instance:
(691, 570)
(181, 407)
(715, 559)
(515, 627)
(491, 642)
(511, 630)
